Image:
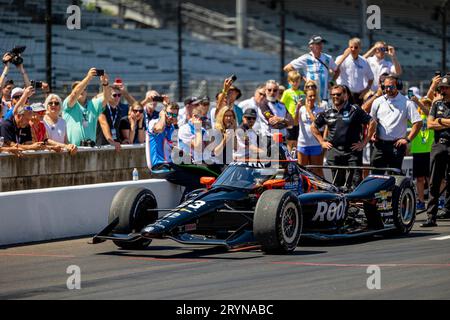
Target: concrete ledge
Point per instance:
(44, 169)
(48, 214)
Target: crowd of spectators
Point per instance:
(345, 105)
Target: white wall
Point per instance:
(47, 214)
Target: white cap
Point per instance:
(16, 91)
(416, 92)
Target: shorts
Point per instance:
(292, 134)
(310, 151)
(421, 164)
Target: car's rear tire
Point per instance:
(404, 206)
(130, 205)
(278, 221)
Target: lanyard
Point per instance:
(113, 119)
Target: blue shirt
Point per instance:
(159, 145)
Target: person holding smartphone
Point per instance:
(80, 113)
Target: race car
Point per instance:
(271, 205)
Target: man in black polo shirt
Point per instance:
(439, 121)
(345, 129)
(16, 131)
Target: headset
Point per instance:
(398, 82)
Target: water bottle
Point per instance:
(135, 175)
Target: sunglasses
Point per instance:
(172, 115)
(41, 112)
(262, 94)
(201, 118)
(336, 94)
(312, 86)
(116, 95)
(250, 118)
(53, 103)
(392, 87)
(272, 90)
(138, 110)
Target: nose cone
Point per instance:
(153, 231)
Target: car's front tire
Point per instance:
(130, 205)
(404, 206)
(278, 221)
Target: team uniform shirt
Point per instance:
(313, 69)
(441, 109)
(186, 135)
(392, 115)
(158, 145)
(82, 121)
(355, 73)
(11, 133)
(344, 126)
(290, 99)
(305, 136)
(378, 68)
(277, 109)
(423, 141)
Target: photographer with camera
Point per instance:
(80, 113)
(227, 98)
(376, 59)
(15, 57)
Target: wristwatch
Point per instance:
(407, 139)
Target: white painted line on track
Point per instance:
(441, 238)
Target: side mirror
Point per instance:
(207, 181)
(274, 184)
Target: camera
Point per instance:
(100, 72)
(158, 99)
(36, 84)
(233, 78)
(15, 54)
(87, 143)
(437, 73)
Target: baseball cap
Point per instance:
(37, 107)
(316, 39)
(250, 113)
(16, 92)
(445, 81)
(192, 100)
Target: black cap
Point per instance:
(250, 113)
(445, 82)
(316, 39)
(191, 100)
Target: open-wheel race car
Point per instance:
(265, 204)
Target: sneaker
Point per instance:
(443, 215)
(429, 223)
(420, 205)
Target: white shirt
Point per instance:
(185, 137)
(305, 136)
(392, 115)
(56, 132)
(313, 69)
(355, 73)
(278, 109)
(378, 68)
(243, 151)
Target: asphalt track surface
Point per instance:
(412, 267)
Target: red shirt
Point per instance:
(39, 131)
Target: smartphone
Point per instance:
(158, 99)
(36, 84)
(100, 72)
(233, 78)
(410, 93)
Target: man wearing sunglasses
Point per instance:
(391, 113)
(344, 143)
(80, 113)
(379, 65)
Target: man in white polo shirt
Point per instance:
(391, 113)
(355, 71)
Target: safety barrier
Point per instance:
(56, 213)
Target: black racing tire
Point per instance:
(404, 205)
(130, 205)
(278, 222)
